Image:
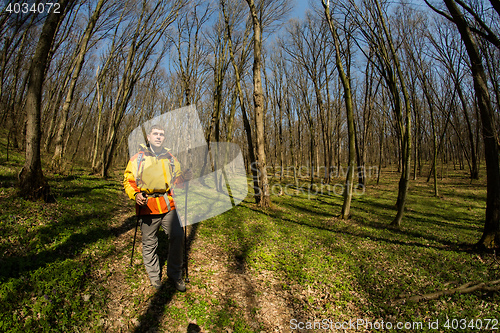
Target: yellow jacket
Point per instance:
(154, 174)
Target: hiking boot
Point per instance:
(178, 284)
(156, 284)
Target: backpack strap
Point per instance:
(172, 170)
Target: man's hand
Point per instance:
(141, 199)
(187, 175)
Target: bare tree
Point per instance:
(348, 99)
(309, 50)
(31, 180)
(491, 231)
(449, 52)
(146, 33)
(189, 49)
(18, 44)
(263, 199)
(238, 69)
(79, 59)
(375, 28)
(218, 46)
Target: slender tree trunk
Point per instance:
(328, 134)
(230, 118)
(17, 94)
(381, 148)
(246, 121)
(346, 206)
(280, 132)
(84, 126)
(292, 141)
(426, 83)
(404, 120)
(434, 148)
(258, 99)
(359, 161)
(474, 170)
(79, 60)
(100, 102)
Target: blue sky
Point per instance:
(299, 8)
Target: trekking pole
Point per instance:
(133, 244)
(135, 233)
(185, 234)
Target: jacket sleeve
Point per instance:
(178, 175)
(129, 182)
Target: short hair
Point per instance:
(157, 127)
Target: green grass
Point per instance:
(363, 263)
(49, 252)
(57, 260)
(47, 276)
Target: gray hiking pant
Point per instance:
(150, 224)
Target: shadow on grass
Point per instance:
(367, 265)
(7, 180)
(243, 236)
(151, 319)
(193, 328)
(15, 266)
(446, 245)
(60, 273)
(435, 219)
(430, 217)
(308, 209)
(80, 191)
(321, 225)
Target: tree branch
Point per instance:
(463, 289)
(489, 35)
(440, 12)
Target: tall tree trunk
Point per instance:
(291, 139)
(474, 169)
(32, 183)
(246, 122)
(258, 100)
(381, 147)
(346, 206)
(280, 134)
(404, 124)
(491, 231)
(359, 161)
(100, 102)
(434, 146)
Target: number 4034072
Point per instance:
(474, 324)
(40, 8)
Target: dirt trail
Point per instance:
(217, 278)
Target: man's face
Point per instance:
(156, 138)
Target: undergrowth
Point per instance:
(325, 268)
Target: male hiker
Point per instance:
(149, 179)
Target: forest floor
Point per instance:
(65, 266)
